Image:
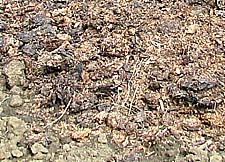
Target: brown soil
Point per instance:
(147, 75)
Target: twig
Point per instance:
(136, 70)
(135, 92)
(161, 105)
(60, 117)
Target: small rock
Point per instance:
(215, 157)
(102, 138)
(16, 101)
(36, 148)
(14, 70)
(16, 90)
(178, 72)
(24, 37)
(118, 136)
(39, 156)
(196, 84)
(16, 80)
(171, 153)
(14, 122)
(132, 31)
(4, 153)
(117, 120)
(191, 124)
(13, 51)
(16, 125)
(62, 11)
(191, 29)
(81, 135)
(17, 153)
(64, 36)
(66, 147)
(60, 159)
(15, 67)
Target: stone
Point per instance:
(4, 153)
(17, 153)
(215, 157)
(14, 70)
(178, 72)
(66, 147)
(16, 125)
(38, 148)
(16, 80)
(16, 101)
(39, 156)
(64, 36)
(191, 124)
(15, 90)
(102, 138)
(15, 67)
(191, 29)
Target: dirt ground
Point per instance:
(102, 80)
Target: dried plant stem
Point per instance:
(132, 101)
(134, 75)
(60, 117)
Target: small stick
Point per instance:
(60, 117)
(135, 92)
(161, 105)
(136, 70)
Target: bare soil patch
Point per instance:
(113, 80)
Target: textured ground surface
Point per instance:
(112, 80)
